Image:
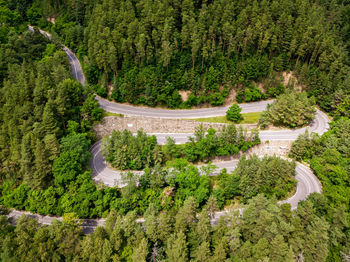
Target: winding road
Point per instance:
(307, 181)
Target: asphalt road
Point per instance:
(307, 182)
(88, 225)
(177, 113)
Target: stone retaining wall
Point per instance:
(153, 125)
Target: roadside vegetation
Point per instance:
(266, 230)
(234, 113)
(145, 52)
(292, 110)
(329, 157)
(125, 151)
(107, 114)
(206, 48)
(163, 188)
(247, 118)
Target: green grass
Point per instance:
(105, 114)
(248, 118)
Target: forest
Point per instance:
(147, 52)
(317, 231)
(265, 231)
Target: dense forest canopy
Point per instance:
(148, 50)
(329, 157)
(266, 231)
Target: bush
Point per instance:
(216, 99)
(250, 95)
(275, 91)
(234, 113)
(291, 109)
(100, 90)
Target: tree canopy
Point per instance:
(291, 109)
(234, 113)
(265, 231)
(149, 50)
(329, 157)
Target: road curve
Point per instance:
(307, 182)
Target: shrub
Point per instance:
(234, 113)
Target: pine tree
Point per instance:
(203, 227)
(280, 251)
(42, 171)
(52, 147)
(107, 251)
(212, 206)
(186, 215)
(219, 251)
(176, 249)
(49, 124)
(141, 251)
(202, 253)
(27, 158)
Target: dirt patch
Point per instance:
(231, 98)
(290, 80)
(261, 87)
(110, 89)
(271, 148)
(51, 20)
(184, 95)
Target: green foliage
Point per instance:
(265, 231)
(125, 151)
(305, 146)
(171, 150)
(274, 91)
(209, 143)
(291, 109)
(234, 113)
(200, 46)
(249, 95)
(204, 47)
(329, 158)
(264, 118)
(15, 197)
(228, 187)
(78, 143)
(48, 118)
(271, 176)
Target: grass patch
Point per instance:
(105, 114)
(248, 118)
